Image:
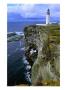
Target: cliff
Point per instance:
(42, 47)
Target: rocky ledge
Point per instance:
(42, 49)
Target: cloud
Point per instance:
(34, 10)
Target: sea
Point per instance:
(18, 68)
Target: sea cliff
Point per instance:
(42, 49)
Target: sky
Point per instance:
(17, 12)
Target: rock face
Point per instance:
(45, 61)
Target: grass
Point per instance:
(47, 38)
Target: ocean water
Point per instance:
(18, 68)
(15, 27)
(19, 26)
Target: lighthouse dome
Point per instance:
(48, 12)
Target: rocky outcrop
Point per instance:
(45, 62)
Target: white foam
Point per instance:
(28, 67)
(19, 33)
(32, 51)
(22, 48)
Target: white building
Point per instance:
(48, 17)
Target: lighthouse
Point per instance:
(48, 16)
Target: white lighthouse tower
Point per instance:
(48, 17)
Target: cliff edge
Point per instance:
(42, 49)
